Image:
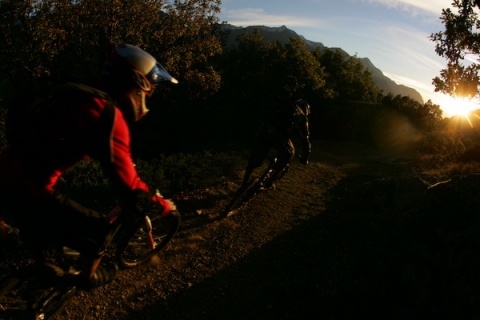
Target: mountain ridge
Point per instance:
(283, 34)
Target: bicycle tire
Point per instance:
(138, 250)
(242, 197)
(22, 298)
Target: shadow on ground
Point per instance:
(381, 251)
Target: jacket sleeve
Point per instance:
(123, 171)
(111, 147)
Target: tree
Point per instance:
(304, 75)
(187, 40)
(459, 41)
(41, 37)
(256, 69)
(424, 117)
(347, 78)
(243, 69)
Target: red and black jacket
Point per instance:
(70, 123)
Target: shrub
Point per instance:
(170, 174)
(183, 171)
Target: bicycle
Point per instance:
(255, 186)
(24, 295)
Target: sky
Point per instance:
(393, 34)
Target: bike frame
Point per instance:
(136, 244)
(253, 187)
(116, 222)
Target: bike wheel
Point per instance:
(242, 197)
(25, 298)
(151, 237)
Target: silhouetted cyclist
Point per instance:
(276, 133)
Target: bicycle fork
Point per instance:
(113, 215)
(148, 226)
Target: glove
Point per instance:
(167, 204)
(141, 203)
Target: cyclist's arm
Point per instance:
(119, 166)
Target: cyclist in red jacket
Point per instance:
(276, 134)
(69, 122)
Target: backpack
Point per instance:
(38, 100)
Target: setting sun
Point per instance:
(458, 106)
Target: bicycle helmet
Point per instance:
(129, 75)
(304, 106)
(143, 69)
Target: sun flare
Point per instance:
(459, 106)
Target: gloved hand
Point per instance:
(167, 204)
(141, 202)
(172, 205)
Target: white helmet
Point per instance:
(146, 72)
(129, 75)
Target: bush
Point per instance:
(169, 174)
(182, 172)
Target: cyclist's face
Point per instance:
(139, 104)
(133, 104)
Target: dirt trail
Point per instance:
(282, 257)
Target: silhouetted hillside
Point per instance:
(283, 34)
(388, 85)
(270, 34)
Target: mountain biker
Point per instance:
(276, 133)
(65, 124)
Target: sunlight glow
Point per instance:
(458, 106)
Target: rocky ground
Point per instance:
(342, 238)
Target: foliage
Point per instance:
(184, 171)
(347, 78)
(186, 41)
(459, 40)
(65, 37)
(303, 73)
(169, 174)
(424, 117)
(270, 71)
(451, 148)
(86, 181)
